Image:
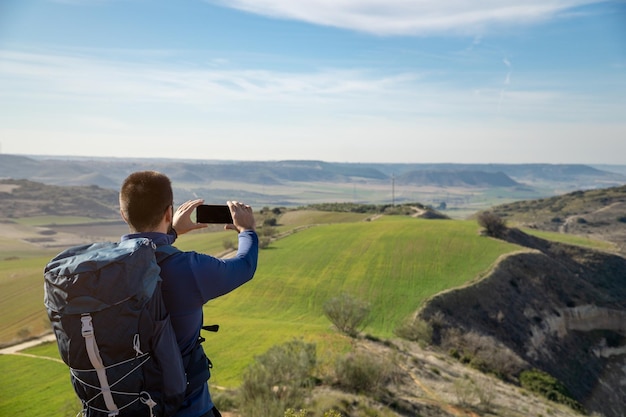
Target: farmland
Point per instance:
(393, 263)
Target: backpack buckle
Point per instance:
(86, 328)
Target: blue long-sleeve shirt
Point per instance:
(190, 279)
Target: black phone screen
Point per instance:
(207, 213)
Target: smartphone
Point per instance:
(207, 213)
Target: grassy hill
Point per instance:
(23, 198)
(379, 261)
(597, 214)
(394, 263)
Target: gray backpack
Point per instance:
(112, 329)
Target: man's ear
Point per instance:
(123, 216)
(169, 215)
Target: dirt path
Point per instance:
(17, 349)
(564, 228)
(11, 350)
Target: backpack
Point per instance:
(112, 328)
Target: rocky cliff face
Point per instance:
(558, 308)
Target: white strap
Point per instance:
(137, 345)
(96, 362)
(147, 400)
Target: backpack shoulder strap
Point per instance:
(165, 251)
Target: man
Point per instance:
(190, 279)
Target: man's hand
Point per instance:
(243, 217)
(182, 217)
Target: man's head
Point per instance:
(145, 197)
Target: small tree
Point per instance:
(278, 379)
(364, 373)
(271, 221)
(494, 225)
(551, 388)
(416, 330)
(347, 313)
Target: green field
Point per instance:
(572, 239)
(21, 298)
(393, 263)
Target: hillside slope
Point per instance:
(302, 182)
(555, 307)
(597, 214)
(24, 198)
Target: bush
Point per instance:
(549, 387)
(469, 392)
(482, 353)
(278, 380)
(224, 400)
(228, 244)
(267, 231)
(270, 222)
(494, 225)
(347, 313)
(415, 330)
(303, 413)
(363, 372)
(264, 242)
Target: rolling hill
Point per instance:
(295, 183)
(393, 262)
(534, 301)
(598, 214)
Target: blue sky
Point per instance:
(496, 81)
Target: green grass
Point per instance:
(394, 263)
(571, 239)
(35, 387)
(22, 311)
(299, 218)
(211, 242)
(58, 220)
(11, 249)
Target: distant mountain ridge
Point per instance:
(458, 178)
(107, 172)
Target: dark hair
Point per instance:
(144, 198)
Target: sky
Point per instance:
(394, 81)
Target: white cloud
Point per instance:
(333, 114)
(408, 17)
(79, 77)
(73, 80)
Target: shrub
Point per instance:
(270, 222)
(493, 224)
(415, 330)
(278, 379)
(347, 313)
(268, 231)
(303, 413)
(546, 385)
(224, 400)
(363, 372)
(470, 392)
(264, 242)
(482, 353)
